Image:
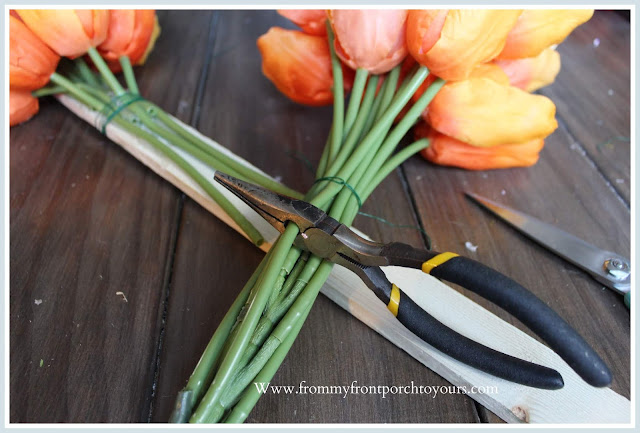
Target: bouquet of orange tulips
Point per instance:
(112, 40)
(485, 116)
(460, 78)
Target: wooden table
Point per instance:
(87, 220)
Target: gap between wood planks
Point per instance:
(480, 412)
(177, 221)
(562, 124)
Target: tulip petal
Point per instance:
(481, 112)
(31, 62)
(68, 32)
(490, 71)
(370, 39)
(129, 34)
(22, 106)
(537, 29)
(311, 21)
(298, 64)
(532, 73)
(445, 150)
(466, 38)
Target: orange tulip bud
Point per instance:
(129, 34)
(31, 62)
(490, 71)
(22, 106)
(370, 39)
(537, 29)
(445, 150)
(299, 65)
(451, 43)
(484, 70)
(481, 112)
(68, 32)
(532, 73)
(311, 21)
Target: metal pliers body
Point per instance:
(327, 238)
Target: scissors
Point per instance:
(327, 238)
(606, 267)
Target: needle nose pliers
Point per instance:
(327, 238)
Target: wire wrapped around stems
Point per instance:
(126, 108)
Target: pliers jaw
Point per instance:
(319, 233)
(277, 209)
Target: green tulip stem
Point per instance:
(85, 72)
(106, 73)
(338, 99)
(265, 282)
(354, 99)
(129, 76)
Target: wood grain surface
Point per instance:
(87, 220)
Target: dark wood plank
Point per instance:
(249, 116)
(86, 221)
(564, 188)
(592, 94)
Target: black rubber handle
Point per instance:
(471, 352)
(531, 311)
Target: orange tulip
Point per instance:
(68, 32)
(370, 39)
(490, 71)
(299, 65)
(129, 34)
(451, 43)
(537, 29)
(485, 70)
(445, 150)
(532, 73)
(483, 113)
(31, 62)
(22, 106)
(311, 21)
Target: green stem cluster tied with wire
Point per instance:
(258, 330)
(126, 108)
(262, 324)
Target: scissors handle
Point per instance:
(526, 307)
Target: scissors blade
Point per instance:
(604, 266)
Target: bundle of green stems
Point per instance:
(258, 330)
(126, 108)
(262, 323)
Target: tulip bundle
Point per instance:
(479, 116)
(112, 40)
(262, 324)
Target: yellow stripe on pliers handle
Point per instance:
(428, 266)
(394, 300)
